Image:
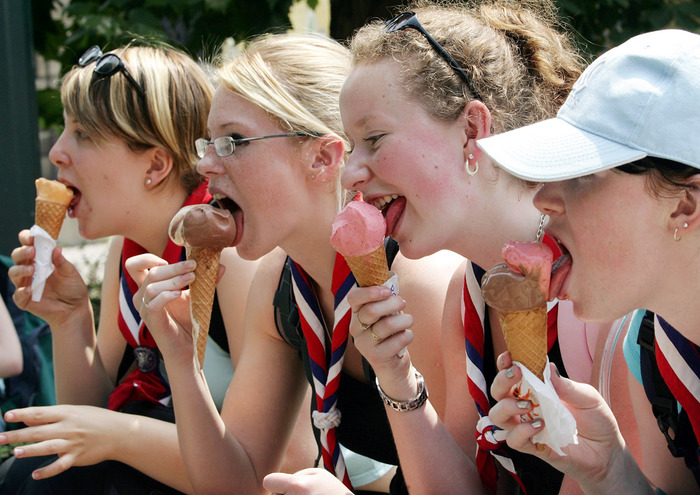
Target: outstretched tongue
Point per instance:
(393, 213)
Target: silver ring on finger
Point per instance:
(143, 301)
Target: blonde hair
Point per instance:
(171, 115)
(296, 78)
(522, 66)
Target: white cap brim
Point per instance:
(554, 150)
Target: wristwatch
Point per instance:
(411, 404)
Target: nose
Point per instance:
(59, 154)
(549, 199)
(211, 164)
(355, 173)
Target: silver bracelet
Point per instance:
(411, 404)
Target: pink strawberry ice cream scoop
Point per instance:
(522, 282)
(358, 229)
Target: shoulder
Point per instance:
(264, 285)
(436, 269)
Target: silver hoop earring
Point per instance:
(468, 168)
(675, 233)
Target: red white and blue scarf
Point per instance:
(678, 360)
(490, 439)
(326, 364)
(147, 382)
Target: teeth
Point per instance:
(383, 201)
(218, 196)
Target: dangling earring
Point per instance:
(675, 233)
(468, 169)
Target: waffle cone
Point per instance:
(525, 332)
(370, 269)
(202, 291)
(49, 216)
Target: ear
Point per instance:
(687, 207)
(476, 119)
(159, 168)
(327, 154)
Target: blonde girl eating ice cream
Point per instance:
(273, 153)
(127, 114)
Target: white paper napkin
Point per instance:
(43, 267)
(560, 425)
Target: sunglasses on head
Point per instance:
(407, 20)
(108, 65)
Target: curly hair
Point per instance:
(520, 61)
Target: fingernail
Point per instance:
(36, 475)
(556, 370)
(501, 361)
(510, 373)
(3, 438)
(536, 424)
(18, 451)
(523, 404)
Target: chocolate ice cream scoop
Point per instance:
(506, 290)
(203, 226)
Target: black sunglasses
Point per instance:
(108, 65)
(409, 20)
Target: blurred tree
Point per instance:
(63, 29)
(603, 24)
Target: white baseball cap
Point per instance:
(640, 98)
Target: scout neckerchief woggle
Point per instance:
(326, 367)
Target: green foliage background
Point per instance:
(200, 26)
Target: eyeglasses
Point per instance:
(108, 65)
(226, 145)
(409, 20)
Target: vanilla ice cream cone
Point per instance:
(525, 332)
(202, 291)
(370, 269)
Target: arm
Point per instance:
(86, 362)
(233, 291)
(662, 469)
(65, 306)
(10, 348)
(431, 460)
(248, 440)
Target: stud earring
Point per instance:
(148, 181)
(313, 176)
(468, 168)
(675, 232)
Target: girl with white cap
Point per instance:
(621, 164)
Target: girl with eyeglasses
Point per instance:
(423, 89)
(128, 115)
(273, 155)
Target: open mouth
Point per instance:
(392, 207)
(74, 202)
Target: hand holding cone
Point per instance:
(204, 231)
